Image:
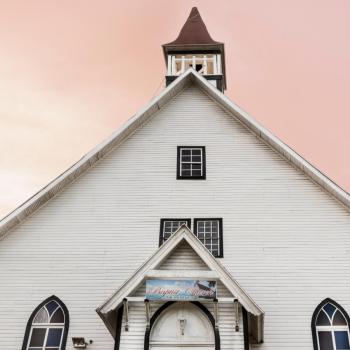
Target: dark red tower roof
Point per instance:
(193, 32)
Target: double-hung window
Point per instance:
(209, 232)
(191, 163)
(169, 226)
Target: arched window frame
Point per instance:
(30, 325)
(331, 328)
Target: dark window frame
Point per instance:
(33, 314)
(161, 241)
(315, 314)
(178, 167)
(221, 234)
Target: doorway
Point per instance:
(183, 325)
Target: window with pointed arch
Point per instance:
(47, 327)
(330, 327)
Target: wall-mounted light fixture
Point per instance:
(182, 326)
(80, 343)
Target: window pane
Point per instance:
(51, 307)
(167, 224)
(196, 173)
(201, 225)
(200, 235)
(38, 336)
(329, 308)
(342, 340)
(186, 152)
(54, 337)
(325, 340)
(196, 152)
(186, 173)
(339, 319)
(58, 316)
(322, 319)
(41, 316)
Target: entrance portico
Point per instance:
(189, 306)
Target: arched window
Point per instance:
(47, 327)
(330, 327)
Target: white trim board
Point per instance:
(190, 76)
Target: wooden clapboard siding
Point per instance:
(285, 240)
(183, 258)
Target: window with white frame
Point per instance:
(169, 226)
(209, 232)
(330, 327)
(47, 327)
(191, 162)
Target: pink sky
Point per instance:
(73, 71)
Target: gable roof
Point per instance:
(188, 77)
(150, 269)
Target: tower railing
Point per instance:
(203, 64)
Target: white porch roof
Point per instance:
(149, 269)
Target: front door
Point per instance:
(182, 326)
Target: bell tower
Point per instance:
(194, 48)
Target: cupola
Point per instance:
(194, 48)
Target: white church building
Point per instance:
(192, 227)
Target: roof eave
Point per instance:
(275, 143)
(55, 186)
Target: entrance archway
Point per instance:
(183, 325)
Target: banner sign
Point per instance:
(180, 290)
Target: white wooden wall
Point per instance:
(285, 240)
